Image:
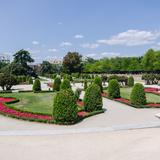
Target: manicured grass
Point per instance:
(151, 98)
(33, 102)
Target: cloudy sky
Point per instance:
(48, 29)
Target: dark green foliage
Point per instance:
(123, 80)
(7, 81)
(54, 76)
(77, 93)
(57, 83)
(131, 81)
(138, 96)
(151, 78)
(72, 62)
(98, 81)
(37, 85)
(64, 107)
(113, 89)
(30, 80)
(93, 98)
(65, 84)
(85, 84)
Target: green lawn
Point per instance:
(33, 102)
(151, 98)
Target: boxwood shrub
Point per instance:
(85, 84)
(57, 83)
(131, 81)
(98, 81)
(30, 80)
(64, 107)
(113, 89)
(37, 85)
(65, 84)
(92, 98)
(138, 96)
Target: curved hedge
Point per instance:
(138, 96)
(65, 84)
(93, 98)
(113, 89)
(37, 85)
(64, 107)
(57, 83)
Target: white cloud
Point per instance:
(78, 36)
(132, 38)
(110, 54)
(63, 44)
(35, 42)
(91, 55)
(90, 45)
(52, 50)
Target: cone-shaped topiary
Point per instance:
(131, 81)
(93, 98)
(113, 89)
(57, 83)
(98, 81)
(30, 80)
(85, 84)
(138, 96)
(64, 107)
(65, 84)
(37, 85)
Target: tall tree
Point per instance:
(20, 66)
(72, 62)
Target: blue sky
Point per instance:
(95, 28)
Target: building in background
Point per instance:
(56, 61)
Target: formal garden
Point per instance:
(71, 94)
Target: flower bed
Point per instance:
(5, 110)
(80, 103)
(152, 90)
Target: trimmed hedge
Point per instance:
(85, 85)
(64, 107)
(30, 80)
(131, 81)
(37, 85)
(65, 85)
(93, 98)
(98, 81)
(113, 89)
(57, 83)
(138, 96)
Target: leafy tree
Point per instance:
(20, 66)
(72, 62)
(7, 81)
(46, 68)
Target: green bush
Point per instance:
(30, 80)
(54, 76)
(93, 98)
(37, 85)
(113, 89)
(98, 81)
(138, 96)
(57, 83)
(131, 81)
(85, 84)
(77, 93)
(65, 84)
(64, 107)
